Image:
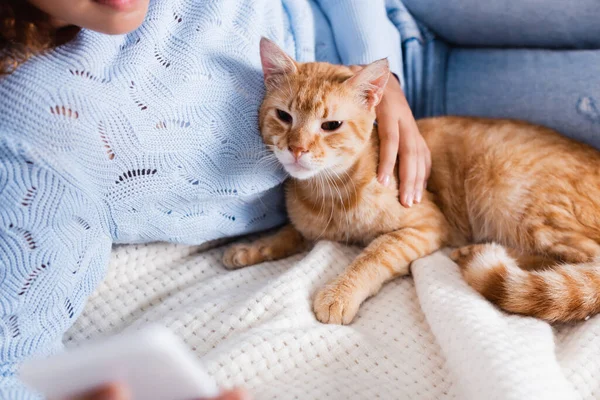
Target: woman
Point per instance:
(151, 135)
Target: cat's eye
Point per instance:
(284, 117)
(331, 125)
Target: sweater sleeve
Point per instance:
(363, 32)
(54, 248)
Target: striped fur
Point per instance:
(567, 292)
(504, 183)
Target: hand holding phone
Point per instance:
(152, 364)
(119, 392)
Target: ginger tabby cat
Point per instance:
(528, 197)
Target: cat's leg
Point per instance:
(386, 257)
(284, 243)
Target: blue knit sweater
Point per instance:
(150, 136)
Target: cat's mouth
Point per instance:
(298, 170)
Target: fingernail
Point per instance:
(236, 394)
(384, 180)
(407, 200)
(110, 392)
(418, 197)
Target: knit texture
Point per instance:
(425, 337)
(150, 136)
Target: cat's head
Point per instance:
(317, 116)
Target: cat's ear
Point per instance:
(370, 81)
(274, 60)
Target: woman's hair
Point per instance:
(26, 31)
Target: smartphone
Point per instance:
(153, 363)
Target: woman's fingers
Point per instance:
(388, 149)
(420, 176)
(106, 392)
(409, 159)
(427, 164)
(423, 168)
(120, 392)
(400, 139)
(235, 394)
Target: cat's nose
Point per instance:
(297, 151)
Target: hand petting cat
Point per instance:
(400, 139)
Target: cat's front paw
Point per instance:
(243, 255)
(336, 303)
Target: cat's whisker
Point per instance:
(261, 155)
(266, 154)
(320, 187)
(352, 182)
(267, 163)
(255, 154)
(346, 212)
(269, 158)
(335, 186)
(343, 205)
(332, 207)
(266, 159)
(329, 186)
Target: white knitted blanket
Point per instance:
(429, 336)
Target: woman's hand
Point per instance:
(119, 392)
(400, 138)
(107, 392)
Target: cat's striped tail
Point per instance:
(564, 292)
